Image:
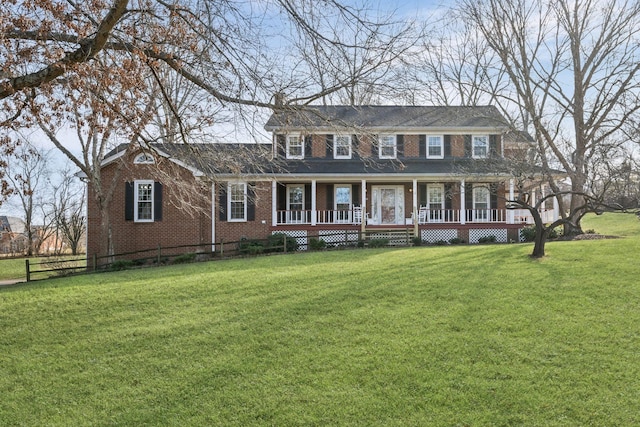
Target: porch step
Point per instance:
(396, 236)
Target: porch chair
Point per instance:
(357, 214)
(422, 215)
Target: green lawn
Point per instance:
(460, 335)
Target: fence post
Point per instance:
(284, 240)
(26, 263)
(95, 261)
(221, 247)
(159, 253)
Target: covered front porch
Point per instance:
(379, 204)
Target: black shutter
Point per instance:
(493, 200)
(493, 145)
(281, 146)
(329, 196)
(282, 197)
(307, 146)
(329, 142)
(307, 197)
(448, 195)
(468, 196)
(467, 146)
(128, 201)
(400, 146)
(222, 205)
(355, 195)
(423, 145)
(422, 194)
(251, 201)
(157, 201)
(375, 143)
(447, 145)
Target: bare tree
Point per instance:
(27, 173)
(69, 210)
(574, 68)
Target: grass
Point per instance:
(464, 335)
(14, 268)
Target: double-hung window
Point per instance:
(480, 144)
(387, 146)
(435, 195)
(295, 147)
(237, 201)
(435, 147)
(481, 203)
(143, 198)
(342, 147)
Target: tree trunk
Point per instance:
(539, 242)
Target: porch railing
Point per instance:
(436, 216)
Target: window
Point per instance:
(295, 147)
(481, 203)
(343, 203)
(144, 158)
(387, 144)
(237, 201)
(295, 204)
(480, 146)
(143, 201)
(435, 200)
(342, 147)
(434, 147)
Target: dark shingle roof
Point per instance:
(386, 117)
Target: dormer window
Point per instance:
(342, 147)
(435, 147)
(295, 147)
(480, 144)
(387, 146)
(144, 159)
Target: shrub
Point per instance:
(184, 258)
(554, 233)
(378, 243)
(122, 264)
(457, 241)
(417, 241)
(250, 247)
(440, 242)
(487, 239)
(528, 234)
(317, 244)
(276, 241)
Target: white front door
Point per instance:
(387, 205)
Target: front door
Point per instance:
(387, 205)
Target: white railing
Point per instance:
(334, 217)
(485, 215)
(431, 216)
(293, 217)
(522, 216)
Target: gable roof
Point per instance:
(387, 117)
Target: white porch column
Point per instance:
(556, 209)
(463, 203)
(213, 217)
(314, 216)
(274, 203)
(363, 203)
(414, 214)
(510, 212)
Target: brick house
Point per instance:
(329, 171)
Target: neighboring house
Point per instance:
(13, 239)
(329, 171)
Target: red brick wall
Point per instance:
(185, 210)
(412, 146)
(256, 229)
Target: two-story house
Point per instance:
(329, 171)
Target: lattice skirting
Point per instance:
(432, 236)
(338, 237)
(476, 234)
(300, 235)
